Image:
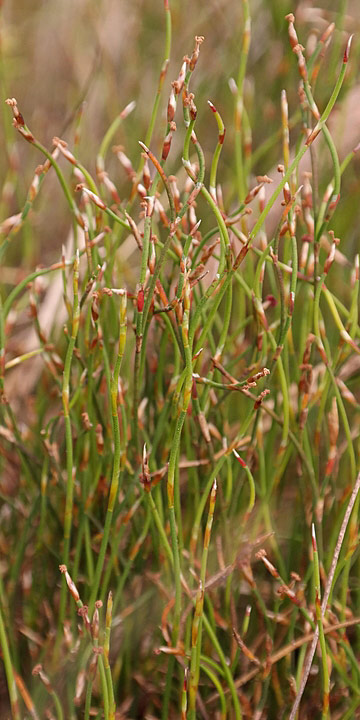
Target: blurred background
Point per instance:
(95, 56)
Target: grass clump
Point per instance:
(180, 419)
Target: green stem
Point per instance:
(117, 451)
(326, 676)
(300, 154)
(9, 670)
(68, 441)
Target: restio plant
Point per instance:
(179, 520)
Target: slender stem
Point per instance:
(9, 669)
(68, 439)
(327, 591)
(110, 688)
(117, 451)
(326, 676)
(259, 223)
(197, 621)
(239, 102)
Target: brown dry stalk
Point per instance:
(280, 654)
(328, 586)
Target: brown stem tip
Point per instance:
(347, 49)
(11, 102)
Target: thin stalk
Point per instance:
(224, 664)
(197, 621)
(239, 103)
(324, 658)
(105, 143)
(167, 50)
(68, 439)
(27, 135)
(110, 688)
(328, 588)
(9, 670)
(300, 154)
(117, 450)
(215, 160)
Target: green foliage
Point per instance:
(178, 379)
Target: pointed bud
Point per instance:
(93, 197)
(95, 624)
(166, 146)
(140, 299)
(239, 459)
(171, 106)
(152, 255)
(128, 109)
(71, 585)
(179, 83)
(313, 537)
(126, 163)
(347, 49)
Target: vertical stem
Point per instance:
(239, 104)
(326, 676)
(112, 707)
(117, 450)
(68, 439)
(197, 621)
(9, 670)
